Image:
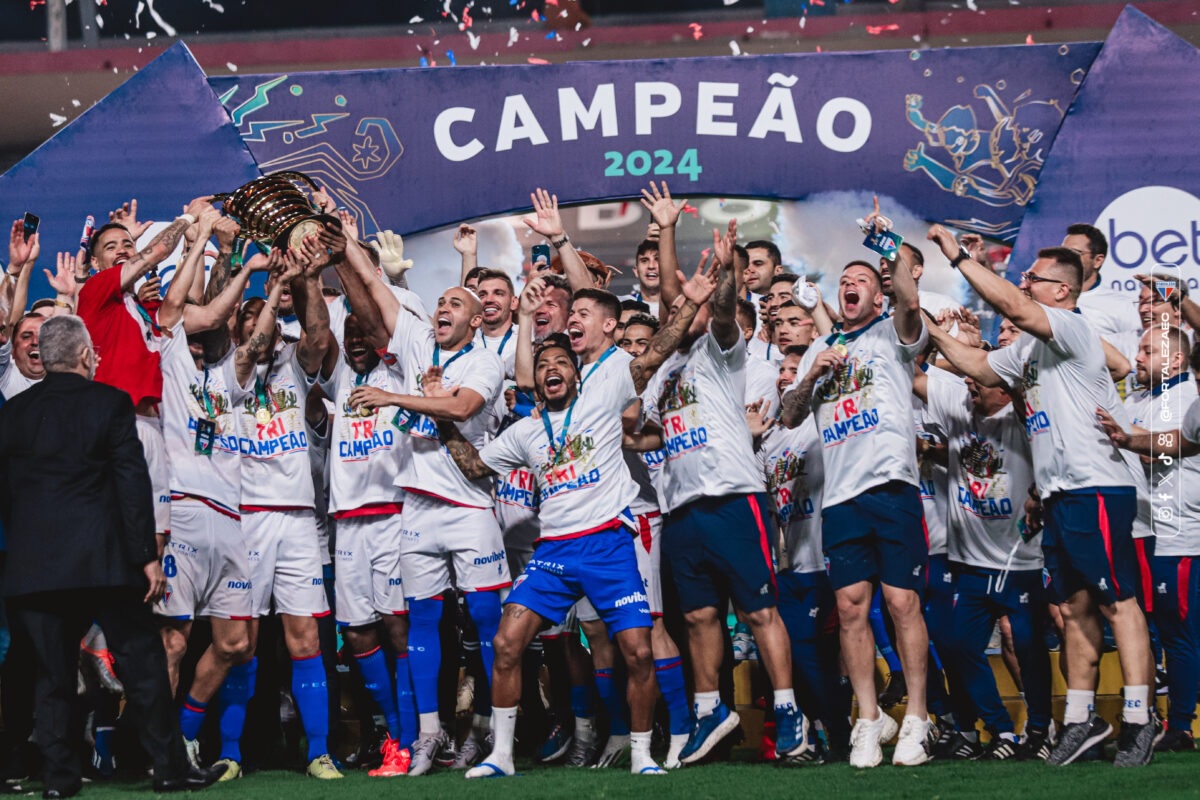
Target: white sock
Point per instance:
(1137, 705)
(706, 703)
(639, 752)
(585, 728)
(431, 724)
(1079, 706)
(785, 698)
(504, 726)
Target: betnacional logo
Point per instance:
(1149, 228)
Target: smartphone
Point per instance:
(541, 257)
(31, 224)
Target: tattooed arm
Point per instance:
(253, 349)
(465, 456)
(724, 323)
(161, 245)
(797, 403)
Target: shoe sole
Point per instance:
(559, 753)
(720, 732)
(1088, 743)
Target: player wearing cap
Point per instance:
(717, 528)
(997, 568)
(1086, 490)
(447, 519)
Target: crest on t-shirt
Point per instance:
(677, 393)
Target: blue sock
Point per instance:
(312, 701)
(879, 628)
(406, 701)
(425, 651)
(484, 608)
(581, 702)
(191, 717)
(236, 692)
(103, 737)
(379, 683)
(618, 720)
(669, 672)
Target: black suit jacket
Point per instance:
(74, 488)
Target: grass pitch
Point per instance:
(1171, 775)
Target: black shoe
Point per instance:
(1176, 740)
(1035, 747)
(894, 691)
(189, 781)
(59, 794)
(1000, 749)
(1076, 738)
(957, 747)
(1135, 744)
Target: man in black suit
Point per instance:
(75, 495)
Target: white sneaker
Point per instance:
(678, 740)
(865, 740)
(192, 748)
(615, 751)
(917, 736)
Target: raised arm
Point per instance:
(548, 223)
(696, 291)
(64, 285)
(531, 298)
(175, 300)
(970, 361)
(250, 351)
(1008, 300)
(724, 325)
(466, 242)
(316, 337)
(665, 214)
(161, 245)
(22, 253)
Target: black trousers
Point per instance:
(54, 623)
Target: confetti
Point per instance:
(587, 41)
(466, 19)
(415, 20)
(875, 30)
(513, 36)
(473, 39)
(57, 119)
(535, 16)
(424, 61)
(578, 27)
(232, 67)
(450, 56)
(688, 208)
(532, 60)
(1029, 38)
(802, 19)
(730, 2)
(550, 35)
(76, 103)
(737, 51)
(696, 30)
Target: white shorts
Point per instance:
(647, 545)
(367, 569)
(149, 431)
(205, 564)
(285, 562)
(436, 534)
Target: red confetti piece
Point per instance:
(1029, 38)
(536, 18)
(35, 3)
(532, 60)
(552, 3)
(466, 19)
(818, 48)
(695, 26)
(688, 208)
(875, 30)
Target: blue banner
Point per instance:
(1125, 161)
(958, 135)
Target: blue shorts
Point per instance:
(601, 566)
(806, 605)
(1088, 544)
(879, 534)
(718, 545)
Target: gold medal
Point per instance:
(263, 415)
(840, 349)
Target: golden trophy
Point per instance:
(274, 211)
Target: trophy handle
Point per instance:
(293, 175)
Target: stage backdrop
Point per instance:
(1125, 159)
(957, 135)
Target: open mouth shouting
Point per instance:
(575, 334)
(444, 324)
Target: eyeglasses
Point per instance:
(1032, 277)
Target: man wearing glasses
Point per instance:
(1087, 492)
(1108, 310)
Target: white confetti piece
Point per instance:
(57, 119)
(737, 51)
(802, 19)
(99, 21)
(513, 36)
(587, 41)
(232, 67)
(76, 103)
(473, 39)
(730, 2)
(415, 20)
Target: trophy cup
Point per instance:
(274, 211)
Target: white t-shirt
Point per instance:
(989, 482)
(637, 295)
(795, 479)
(339, 309)
(935, 479)
(366, 450)
(431, 470)
(504, 346)
(191, 395)
(1064, 381)
(762, 381)
(275, 468)
(764, 351)
(12, 382)
(699, 404)
(1109, 310)
(863, 410)
(1168, 494)
(582, 479)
